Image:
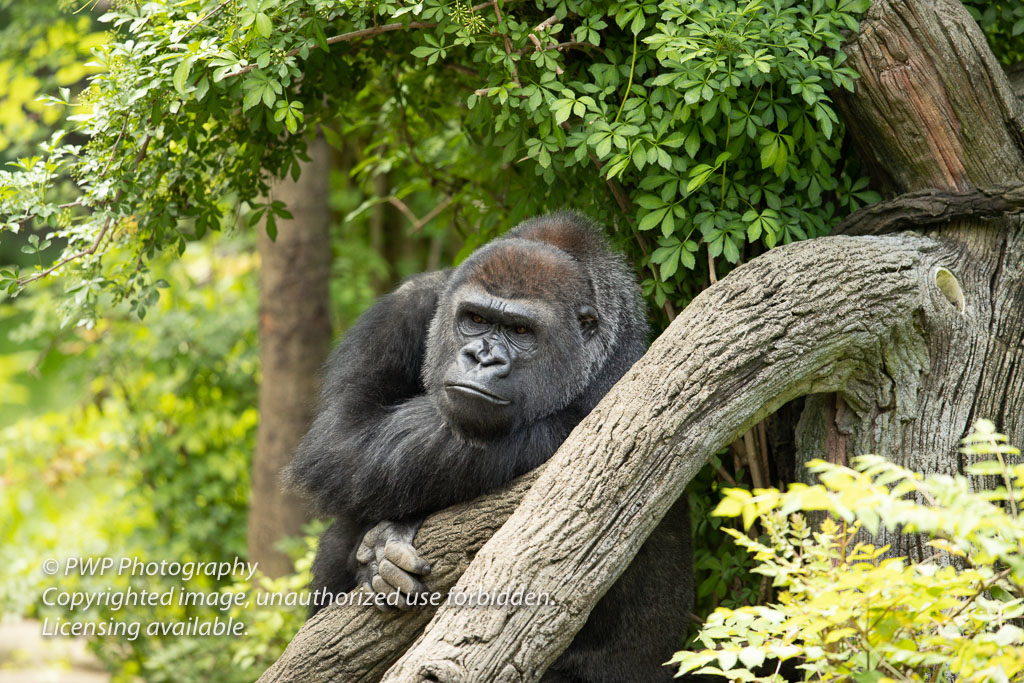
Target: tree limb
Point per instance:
(745, 346)
(931, 207)
(345, 37)
(351, 643)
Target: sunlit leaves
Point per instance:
(181, 75)
(720, 111)
(750, 112)
(848, 611)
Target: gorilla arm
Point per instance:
(410, 463)
(380, 449)
(375, 368)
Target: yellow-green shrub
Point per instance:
(848, 612)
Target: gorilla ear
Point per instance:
(587, 315)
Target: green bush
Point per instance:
(847, 611)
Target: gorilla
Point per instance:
(460, 381)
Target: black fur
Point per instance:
(462, 380)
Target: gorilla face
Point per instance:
(515, 360)
(516, 337)
(500, 346)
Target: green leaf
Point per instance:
(263, 25)
(638, 22)
(649, 201)
(668, 226)
(181, 75)
(732, 254)
(653, 219)
(251, 98)
(693, 142)
(699, 175)
(268, 95)
(562, 110)
(271, 227)
(769, 153)
(669, 267)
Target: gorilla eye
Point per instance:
(520, 329)
(477, 318)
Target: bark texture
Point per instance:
(934, 115)
(295, 335)
(933, 207)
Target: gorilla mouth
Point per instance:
(474, 391)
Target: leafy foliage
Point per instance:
(1003, 24)
(41, 49)
(848, 612)
(722, 570)
(710, 123)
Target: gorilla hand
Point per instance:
(388, 561)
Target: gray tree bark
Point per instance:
(899, 341)
(295, 335)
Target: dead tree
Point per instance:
(900, 331)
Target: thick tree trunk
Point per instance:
(295, 335)
(900, 342)
(933, 112)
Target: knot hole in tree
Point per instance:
(950, 288)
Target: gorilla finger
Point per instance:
(381, 587)
(404, 556)
(364, 554)
(375, 535)
(400, 579)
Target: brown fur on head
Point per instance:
(571, 232)
(521, 269)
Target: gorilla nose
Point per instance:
(491, 357)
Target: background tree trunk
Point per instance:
(295, 335)
(900, 341)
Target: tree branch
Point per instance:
(932, 207)
(536, 41)
(739, 352)
(508, 46)
(345, 37)
(201, 20)
(89, 251)
(742, 349)
(352, 643)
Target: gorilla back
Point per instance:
(458, 382)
